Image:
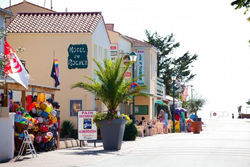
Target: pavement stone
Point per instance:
(68, 143)
(74, 143)
(223, 143)
(62, 145)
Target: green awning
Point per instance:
(159, 102)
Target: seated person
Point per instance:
(142, 120)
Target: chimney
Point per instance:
(110, 27)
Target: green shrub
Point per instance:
(130, 132)
(74, 134)
(67, 129)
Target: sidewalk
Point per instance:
(224, 143)
(67, 157)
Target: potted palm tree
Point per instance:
(111, 88)
(195, 105)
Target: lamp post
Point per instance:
(133, 58)
(173, 118)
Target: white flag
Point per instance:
(14, 68)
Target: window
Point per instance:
(75, 106)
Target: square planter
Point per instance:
(112, 132)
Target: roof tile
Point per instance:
(137, 42)
(55, 22)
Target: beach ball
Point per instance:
(44, 139)
(18, 118)
(50, 123)
(16, 134)
(49, 135)
(45, 114)
(37, 105)
(38, 139)
(39, 112)
(54, 120)
(35, 121)
(22, 109)
(33, 110)
(21, 136)
(44, 128)
(40, 119)
(23, 122)
(50, 116)
(31, 124)
(36, 128)
(43, 105)
(54, 112)
(32, 137)
(46, 121)
(49, 108)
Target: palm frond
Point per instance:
(110, 86)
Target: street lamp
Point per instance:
(173, 118)
(133, 58)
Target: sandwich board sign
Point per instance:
(87, 129)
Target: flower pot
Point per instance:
(112, 132)
(196, 127)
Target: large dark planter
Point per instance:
(112, 132)
(196, 127)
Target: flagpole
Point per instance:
(5, 85)
(5, 93)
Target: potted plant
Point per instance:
(131, 131)
(194, 105)
(111, 88)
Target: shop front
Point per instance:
(31, 111)
(145, 107)
(73, 46)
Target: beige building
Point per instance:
(72, 38)
(54, 32)
(146, 66)
(120, 46)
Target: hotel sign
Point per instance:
(113, 47)
(113, 51)
(77, 56)
(140, 66)
(127, 74)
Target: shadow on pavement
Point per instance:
(88, 151)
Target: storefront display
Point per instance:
(40, 119)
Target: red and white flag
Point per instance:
(14, 68)
(185, 93)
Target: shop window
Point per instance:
(75, 107)
(141, 110)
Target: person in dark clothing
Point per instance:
(142, 119)
(239, 111)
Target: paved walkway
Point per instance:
(223, 143)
